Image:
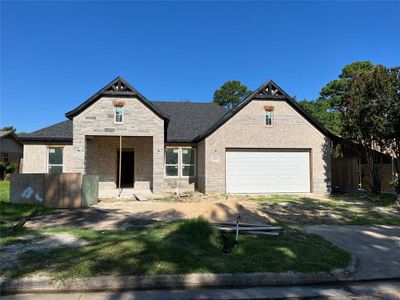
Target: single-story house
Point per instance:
(267, 144)
(10, 147)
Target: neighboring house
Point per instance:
(10, 148)
(268, 144)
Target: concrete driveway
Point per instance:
(377, 248)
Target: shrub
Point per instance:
(7, 168)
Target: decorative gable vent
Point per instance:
(270, 90)
(118, 86)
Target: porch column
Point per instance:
(79, 150)
(158, 163)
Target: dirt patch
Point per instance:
(10, 253)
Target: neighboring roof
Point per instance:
(9, 133)
(267, 91)
(4, 133)
(60, 132)
(187, 120)
(118, 87)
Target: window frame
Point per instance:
(185, 165)
(55, 165)
(6, 158)
(272, 117)
(180, 162)
(171, 165)
(122, 114)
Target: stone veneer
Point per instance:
(35, 158)
(139, 121)
(247, 129)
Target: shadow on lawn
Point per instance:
(305, 211)
(181, 247)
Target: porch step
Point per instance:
(141, 196)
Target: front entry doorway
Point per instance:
(127, 168)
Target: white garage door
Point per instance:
(267, 171)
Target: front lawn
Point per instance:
(176, 248)
(360, 209)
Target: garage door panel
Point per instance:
(267, 171)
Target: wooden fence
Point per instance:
(51, 190)
(349, 175)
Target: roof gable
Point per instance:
(118, 87)
(267, 91)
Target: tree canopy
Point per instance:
(326, 109)
(370, 115)
(231, 93)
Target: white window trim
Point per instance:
(183, 165)
(56, 165)
(272, 118)
(171, 165)
(180, 163)
(115, 115)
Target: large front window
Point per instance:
(180, 162)
(55, 159)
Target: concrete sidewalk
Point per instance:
(370, 290)
(377, 248)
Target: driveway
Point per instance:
(377, 248)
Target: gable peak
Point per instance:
(270, 90)
(119, 85)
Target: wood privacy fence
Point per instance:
(349, 175)
(65, 190)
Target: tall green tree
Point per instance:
(321, 110)
(326, 109)
(231, 93)
(333, 92)
(392, 114)
(365, 116)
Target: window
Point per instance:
(55, 160)
(180, 162)
(188, 159)
(268, 117)
(119, 114)
(5, 157)
(171, 162)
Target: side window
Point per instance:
(55, 159)
(5, 157)
(188, 162)
(119, 114)
(171, 162)
(269, 117)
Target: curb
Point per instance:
(196, 280)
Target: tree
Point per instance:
(8, 128)
(326, 109)
(231, 93)
(392, 113)
(321, 110)
(333, 92)
(365, 105)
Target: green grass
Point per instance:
(364, 209)
(177, 248)
(4, 191)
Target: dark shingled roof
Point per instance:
(61, 132)
(187, 120)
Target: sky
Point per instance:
(55, 55)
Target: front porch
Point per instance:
(133, 173)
